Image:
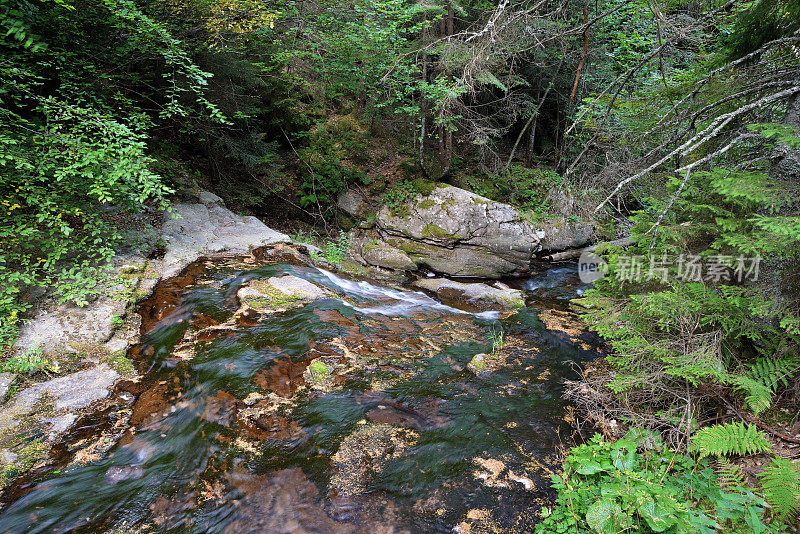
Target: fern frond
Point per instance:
(757, 395)
(731, 438)
(774, 371)
(781, 483)
(728, 474)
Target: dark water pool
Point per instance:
(234, 429)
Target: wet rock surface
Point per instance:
(96, 337)
(381, 254)
(293, 286)
(458, 233)
(192, 230)
(352, 412)
(479, 294)
(70, 392)
(207, 227)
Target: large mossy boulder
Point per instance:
(459, 233)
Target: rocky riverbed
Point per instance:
(114, 385)
(89, 343)
(277, 396)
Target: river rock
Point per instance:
(53, 328)
(560, 234)
(351, 202)
(67, 393)
(59, 423)
(209, 199)
(293, 286)
(280, 292)
(476, 293)
(459, 233)
(381, 254)
(5, 382)
(119, 473)
(194, 230)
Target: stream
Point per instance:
(357, 412)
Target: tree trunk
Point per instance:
(531, 143)
(785, 160)
(583, 56)
(450, 17)
(448, 153)
(422, 131)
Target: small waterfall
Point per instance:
(404, 303)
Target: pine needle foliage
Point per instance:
(728, 333)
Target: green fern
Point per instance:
(758, 396)
(731, 438)
(772, 372)
(781, 483)
(728, 474)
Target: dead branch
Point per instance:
(701, 138)
(583, 56)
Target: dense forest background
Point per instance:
(674, 122)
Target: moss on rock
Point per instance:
(319, 370)
(437, 232)
(402, 212)
(423, 187)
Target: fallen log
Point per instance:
(576, 252)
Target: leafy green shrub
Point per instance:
(29, 362)
(73, 144)
(329, 164)
(636, 485)
(335, 250)
(396, 197)
(529, 187)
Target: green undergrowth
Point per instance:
(524, 188)
(401, 194)
(703, 318)
(637, 484)
(332, 158)
(30, 362)
(334, 249)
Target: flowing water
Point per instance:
(232, 431)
